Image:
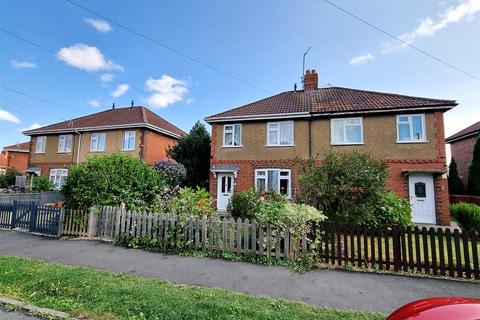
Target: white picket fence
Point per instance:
(212, 234)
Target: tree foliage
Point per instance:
(455, 184)
(172, 172)
(474, 171)
(111, 180)
(8, 179)
(193, 151)
(350, 187)
(41, 183)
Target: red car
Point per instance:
(439, 308)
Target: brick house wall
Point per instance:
(462, 151)
(155, 146)
(17, 160)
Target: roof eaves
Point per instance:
(258, 117)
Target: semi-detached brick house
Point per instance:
(255, 145)
(461, 146)
(15, 156)
(135, 130)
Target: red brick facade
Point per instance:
(155, 146)
(462, 151)
(15, 159)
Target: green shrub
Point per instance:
(467, 215)
(191, 202)
(390, 210)
(172, 172)
(110, 180)
(343, 184)
(8, 179)
(244, 204)
(41, 183)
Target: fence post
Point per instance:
(92, 223)
(397, 254)
(61, 217)
(14, 214)
(119, 212)
(33, 216)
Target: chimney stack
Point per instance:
(310, 80)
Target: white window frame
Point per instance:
(343, 143)
(289, 189)
(62, 146)
(232, 131)
(278, 134)
(94, 142)
(53, 174)
(125, 138)
(43, 144)
(410, 122)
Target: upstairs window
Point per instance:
(232, 135)
(41, 144)
(280, 133)
(65, 143)
(411, 128)
(346, 131)
(97, 142)
(278, 180)
(129, 140)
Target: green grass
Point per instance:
(107, 295)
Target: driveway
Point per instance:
(332, 288)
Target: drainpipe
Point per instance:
(79, 143)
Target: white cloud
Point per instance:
(100, 25)
(94, 103)
(33, 126)
(362, 59)
(22, 64)
(189, 101)
(166, 90)
(121, 89)
(106, 77)
(7, 116)
(86, 58)
(428, 26)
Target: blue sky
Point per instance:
(93, 63)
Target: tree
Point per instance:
(193, 151)
(111, 180)
(474, 171)
(8, 179)
(345, 185)
(173, 173)
(455, 184)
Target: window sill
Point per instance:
(414, 141)
(128, 150)
(64, 152)
(280, 146)
(40, 152)
(97, 151)
(226, 147)
(347, 144)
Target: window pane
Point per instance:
(338, 131)
(93, 142)
(260, 184)
(403, 132)
(228, 139)
(228, 128)
(237, 135)
(286, 133)
(353, 134)
(101, 142)
(273, 137)
(272, 180)
(403, 119)
(68, 143)
(260, 173)
(417, 127)
(284, 186)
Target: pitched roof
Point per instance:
(471, 130)
(326, 101)
(19, 147)
(131, 117)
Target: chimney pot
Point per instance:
(310, 80)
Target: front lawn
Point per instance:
(107, 295)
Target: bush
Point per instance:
(467, 215)
(172, 172)
(41, 183)
(343, 185)
(191, 203)
(244, 204)
(8, 179)
(111, 180)
(390, 210)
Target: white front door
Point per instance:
(224, 190)
(422, 197)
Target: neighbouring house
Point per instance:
(135, 130)
(256, 145)
(461, 147)
(15, 156)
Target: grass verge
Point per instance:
(108, 295)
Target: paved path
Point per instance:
(17, 315)
(337, 289)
